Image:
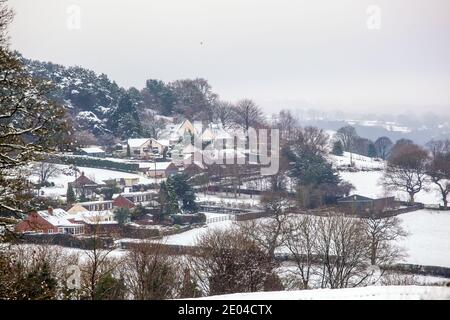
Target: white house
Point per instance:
(147, 147)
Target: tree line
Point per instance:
(328, 252)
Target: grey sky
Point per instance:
(282, 53)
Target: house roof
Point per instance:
(355, 198)
(152, 165)
(87, 203)
(163, 142)
(58, 218)
(83, 181)
(137, 193)
(92, 216)
(93, 149)
(137, 143)
(77, 208)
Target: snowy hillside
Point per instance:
(365, 293)
(359, 162)
(427, 242)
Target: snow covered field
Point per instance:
(190, 237)
(98, 175)
(359, 161)
(368, 183)
(364, 293)
(428, 242)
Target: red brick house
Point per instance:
(51, 221)
(84, 186)
(122, 202)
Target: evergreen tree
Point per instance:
(38, 284)
(184, 191)
(168, 199)
(158, 96)
(109, 190)
(83, 198)
(128, 151)
(338, 148)
(176, 191)
(71, 198)
(125, 118)
(122, 215)
(110, 288)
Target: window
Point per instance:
(50, 231)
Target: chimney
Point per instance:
(50, 211)
(82, 173)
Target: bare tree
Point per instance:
(438, 147)
(150, 272)
(98, 263)
(438, 171)
(301, 240)
(348, 136)
(224, 112)
(406, 170)
(286, 123)
(84, 138)
(342, 247)
(310, 140)
(382, 235)
(383, 146)
(228, 261)
(246, 115)
(46, 171)
(268, 232)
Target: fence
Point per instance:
(222, 218)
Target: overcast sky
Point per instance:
(282, 53)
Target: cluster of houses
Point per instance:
(83, 217)
(174, 150)
(158, 158)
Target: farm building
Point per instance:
(92, 151)
(356, 204)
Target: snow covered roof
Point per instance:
(93, 216)
(76, 208)
(137, 143)
(83, 181)
(164, 142)
(153, 165)
(58, 218)
(86, 203)
(93, 150)
(137, 193)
